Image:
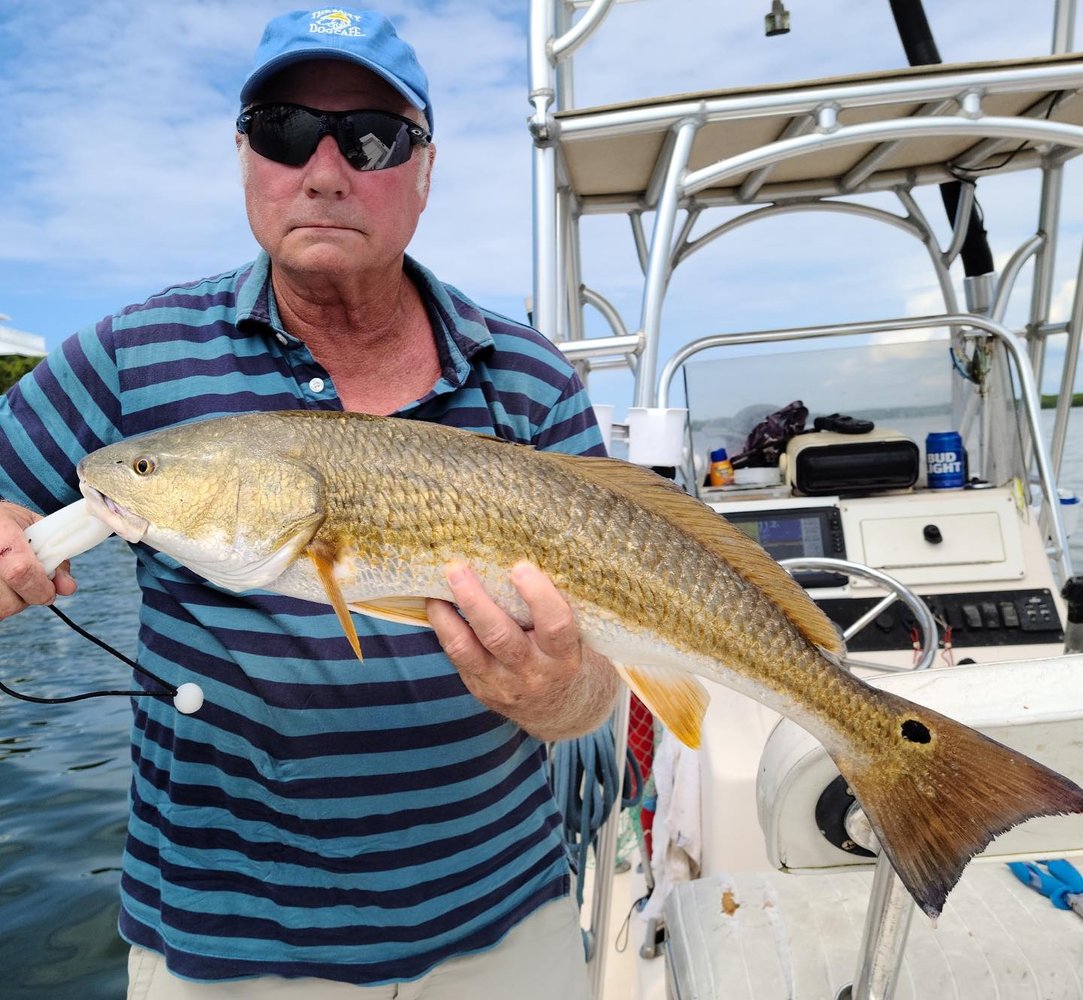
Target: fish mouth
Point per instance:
(131, 527)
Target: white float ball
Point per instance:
(188, 699)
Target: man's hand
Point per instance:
(542, 678)
(22, 577)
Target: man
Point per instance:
(385, 828)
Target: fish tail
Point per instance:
(942, 792)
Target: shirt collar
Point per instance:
(458, 325)
(257, 311)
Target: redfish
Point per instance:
(363, 513)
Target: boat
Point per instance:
(949, 590)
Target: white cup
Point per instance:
(656, 435)
(603, 413)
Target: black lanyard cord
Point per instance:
(168, 690)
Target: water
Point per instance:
(63, 790)
(64, 780)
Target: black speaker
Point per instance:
(825, 463)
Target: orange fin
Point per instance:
(403, 610)
(676, 698)
(325, 567)
(667, 500)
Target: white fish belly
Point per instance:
(603, 631)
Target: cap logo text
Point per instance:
(333, 21)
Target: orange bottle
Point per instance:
(721, 468)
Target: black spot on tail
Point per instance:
(915, 732)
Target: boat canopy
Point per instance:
(804, 140)
(814, 145)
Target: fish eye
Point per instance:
(144, 466)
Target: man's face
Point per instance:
(324, 219)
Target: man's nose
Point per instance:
(327, 171)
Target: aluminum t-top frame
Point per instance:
(770, 150)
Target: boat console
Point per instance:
(975, 556)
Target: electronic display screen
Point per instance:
(785, 534)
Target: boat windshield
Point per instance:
(902, 387)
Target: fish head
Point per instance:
(235, 505)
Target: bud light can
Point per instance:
(945, 461)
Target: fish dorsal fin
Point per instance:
(402, 610)
(665, 499)
(324, 561)
(677, 699)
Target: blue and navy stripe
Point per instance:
(320, 817)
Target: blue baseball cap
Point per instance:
(363, 37)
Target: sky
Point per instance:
(118, 174)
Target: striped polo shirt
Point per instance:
(318, 816)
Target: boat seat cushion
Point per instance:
(1035, 706)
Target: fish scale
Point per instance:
(363, 512)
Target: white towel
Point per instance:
(676, 854)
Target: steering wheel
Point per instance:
(896, 591)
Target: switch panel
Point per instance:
(983, 618)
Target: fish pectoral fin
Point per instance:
(401, 610)
(324, 562)
(676, 698)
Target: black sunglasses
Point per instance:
(369, 140)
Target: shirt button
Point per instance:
(316, 385)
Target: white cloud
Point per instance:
(123, 172)
(123, 168)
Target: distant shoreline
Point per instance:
(1050, 402)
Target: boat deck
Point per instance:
(996, 938)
